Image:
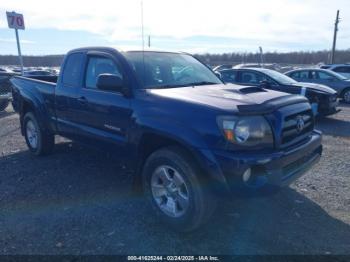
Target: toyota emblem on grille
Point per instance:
(300, 124)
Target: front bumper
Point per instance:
(328, 108)
(6, 96)
(268, 171)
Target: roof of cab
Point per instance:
(122, 50)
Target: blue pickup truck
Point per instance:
(186, 136)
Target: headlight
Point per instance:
(247, 131)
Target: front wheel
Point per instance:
(38, 141)
(346, 96)
(174, 187)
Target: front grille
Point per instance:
(290, 130)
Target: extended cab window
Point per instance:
(72, 69)
(97, 66)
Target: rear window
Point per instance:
(72, 69)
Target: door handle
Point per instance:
(82, 100)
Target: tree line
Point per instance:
(314, 57)
(48, 60)
(302, 57)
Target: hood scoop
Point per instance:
(271, 105)
(248, 90)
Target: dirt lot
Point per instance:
(78, 201)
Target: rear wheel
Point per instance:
(346, 95)
(173, 185)
(38, 141)
(4, 104)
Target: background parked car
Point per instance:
(5, 88)
(222, 67)
(257, 65)
(38, 73)
(322, 98)
(342, 69)
(326, 77)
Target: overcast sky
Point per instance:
(54, 27)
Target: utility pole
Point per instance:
(261, 57)
(335, 37)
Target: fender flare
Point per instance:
(37, 107)
(191, 140)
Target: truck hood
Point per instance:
(316, 87)
(230, 97)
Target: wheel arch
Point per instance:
(151, 142)
(344, 90)
(28, 105)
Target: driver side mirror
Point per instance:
(110, 82)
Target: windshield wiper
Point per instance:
(183, 85)
(164, 86)
(202, 83)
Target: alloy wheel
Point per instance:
(170, 191)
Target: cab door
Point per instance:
(103, 116)
(66, 95)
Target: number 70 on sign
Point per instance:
(15, 20)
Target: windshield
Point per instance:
(168, 70)
(280, 78)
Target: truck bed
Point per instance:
(40, 87)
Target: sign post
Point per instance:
(16, 21)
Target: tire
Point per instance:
(4, 104)
(200, 201)
(346, 95)
(38, 141)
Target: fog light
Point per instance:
(247, 174)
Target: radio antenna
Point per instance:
(142, 32)
(143, 43)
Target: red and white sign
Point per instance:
(15, 21)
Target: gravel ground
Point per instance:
(79, 201)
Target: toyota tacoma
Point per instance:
(186, 136)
